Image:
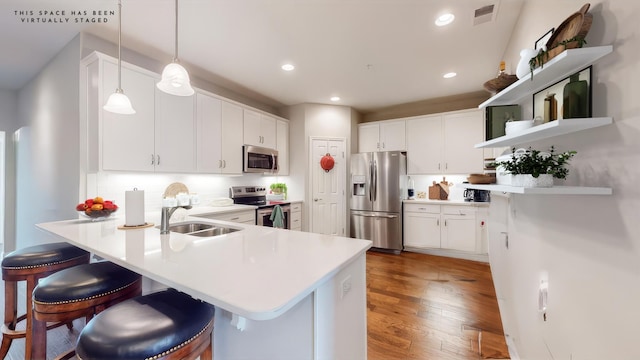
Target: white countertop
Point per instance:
(258, 272)
(445, 202)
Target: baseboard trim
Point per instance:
(450, 253)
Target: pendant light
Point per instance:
(175, 78)
(118, 102)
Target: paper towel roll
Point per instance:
(134, 207)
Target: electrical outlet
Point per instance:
(345, 286)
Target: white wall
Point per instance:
(8, 124)
(48, 107)
(317, 120)
(588, 247)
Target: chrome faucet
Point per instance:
(166, 215)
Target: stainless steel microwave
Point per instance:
(257, 159)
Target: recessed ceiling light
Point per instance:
(445, 19)
(335, 98)
(449, 75)
(288, 67)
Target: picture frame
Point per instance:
(542, 41)
(496, 118)
(558, 89)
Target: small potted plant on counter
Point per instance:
(533, 168)
(279, 188)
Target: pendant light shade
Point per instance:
(175, 78)
(118, 102)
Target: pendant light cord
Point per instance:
(175, 58)
(119, 45)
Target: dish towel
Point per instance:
(277, 217)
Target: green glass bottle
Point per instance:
(575, 98)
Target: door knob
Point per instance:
(316, 199)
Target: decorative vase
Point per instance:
(550, 108)
(575, 98)
(528, 181)
(523, 68)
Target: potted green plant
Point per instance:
(279, 188)
(533, 168)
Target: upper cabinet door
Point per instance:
(424, 145)
(393, 136)
(268, 130)
(231, 141)
(259, 129)
(461, 132)
(209, 133)
(368, 137)
(175, 126)
(282, 145)
(128, 140)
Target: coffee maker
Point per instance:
(476, 195)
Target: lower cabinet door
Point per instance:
(458, 233)
(421, 230)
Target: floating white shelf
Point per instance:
(563, 65)
(547, 130)
(555, 190)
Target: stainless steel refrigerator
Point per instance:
(377, 189)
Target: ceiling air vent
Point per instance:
(484, 14)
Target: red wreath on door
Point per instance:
(327, 162)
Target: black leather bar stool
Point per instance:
(31, 264)
(163, 325)
(82, 291)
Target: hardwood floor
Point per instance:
(419, 307)
(429, 307)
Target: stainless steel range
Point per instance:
(257, 196)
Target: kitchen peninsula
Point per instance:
(279, 294)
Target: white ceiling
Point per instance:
(371, 53)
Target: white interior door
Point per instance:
(328, 188)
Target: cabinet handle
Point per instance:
(235, 218)
(224, 164)
(445, 222)
(219, 164)
(153, 159)
(438, 222)
(158, 162)
(438, 166)
(446, 166)
(383, 145)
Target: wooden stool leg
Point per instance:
(10, 304)
(33, 346)
(10, 315)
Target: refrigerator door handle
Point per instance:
(375, 180)
(370, 180)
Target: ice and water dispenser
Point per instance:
(358, 182)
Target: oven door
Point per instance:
(263, 216)
(259, 160)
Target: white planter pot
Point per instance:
(527, 180)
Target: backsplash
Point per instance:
(112, 186)
(456, 191)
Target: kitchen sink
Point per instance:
(200, 229)
(215, 231)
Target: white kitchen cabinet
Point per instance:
(453, 230)
(241, 216)
(458, 231)
(259, 129)
(422, 226)
(382, 136)
(160, 136)
(282, 145)
(219, 135)
(295, 222)
(127, 141)
(444, 143)
(175, 133)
